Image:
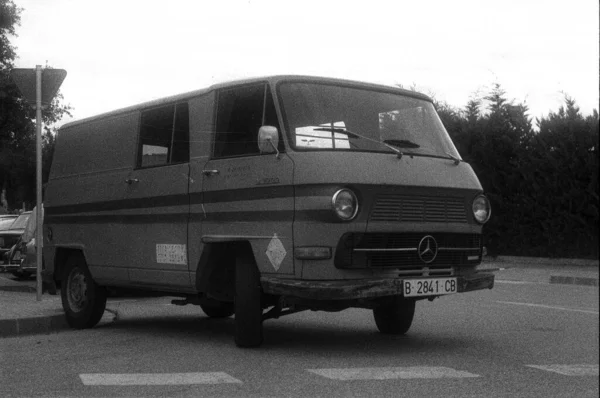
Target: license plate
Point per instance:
(429, 287)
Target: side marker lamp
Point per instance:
(312, 253)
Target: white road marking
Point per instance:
(416, 372)
(155, 379)
(550, 307)
(569, 370)
(517, 282)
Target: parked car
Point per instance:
(21, 258)
(11, 234)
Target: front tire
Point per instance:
(82, 299)
(247, 303)
(216, 309)
(395, 316)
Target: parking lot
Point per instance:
(529, 336)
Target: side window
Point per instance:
(164, 136)
(240, 113)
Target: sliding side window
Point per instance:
(164, 136)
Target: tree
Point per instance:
(17, 124)
(564, 175)
(497, 154)
(543, 185)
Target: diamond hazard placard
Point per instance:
(275, 252)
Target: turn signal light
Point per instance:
(312, 253)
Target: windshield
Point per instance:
(321, 116)
(20, 222)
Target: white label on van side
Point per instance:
(171, 254)
(275, 252)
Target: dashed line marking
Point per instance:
(517, 282)
(155, 379)
(550, 307)
(569, 370)
(417, 372)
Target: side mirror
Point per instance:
(268, 140)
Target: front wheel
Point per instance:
(395, 316)
(82, 299)
(247, 303)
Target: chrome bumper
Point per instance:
(359, 289)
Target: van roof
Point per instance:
(271, 79)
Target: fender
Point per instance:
(216, 268)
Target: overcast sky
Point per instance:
(121, 52)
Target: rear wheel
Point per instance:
(247, 303)
(216, 309)
(82, 299)
(395, 316)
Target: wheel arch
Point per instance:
(215, 275)
(60, 259)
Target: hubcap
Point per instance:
(77, 289)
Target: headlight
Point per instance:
(481, 209)
(345, 204)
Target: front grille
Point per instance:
(400, 250)
(407, 208)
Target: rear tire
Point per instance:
(82, 299)
(216, 309)
(247, 303)
(395, 316)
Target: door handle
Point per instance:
(130, 181)
(210, 172)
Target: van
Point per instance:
(262, 198)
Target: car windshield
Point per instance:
(329, 117)
(20, 222)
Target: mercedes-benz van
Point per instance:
(262, 198)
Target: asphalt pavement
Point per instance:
(22, 314)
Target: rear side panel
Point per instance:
(85, 185)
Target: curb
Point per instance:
(21, 289)
(45, 324)
(541, 261)
(34, 325)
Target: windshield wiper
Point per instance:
(456, 160)
(402, 143)
(388, 143)
(352, 134)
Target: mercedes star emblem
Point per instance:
(428, 249)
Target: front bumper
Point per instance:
(11, 267)
(359, 289)
(2, 253)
